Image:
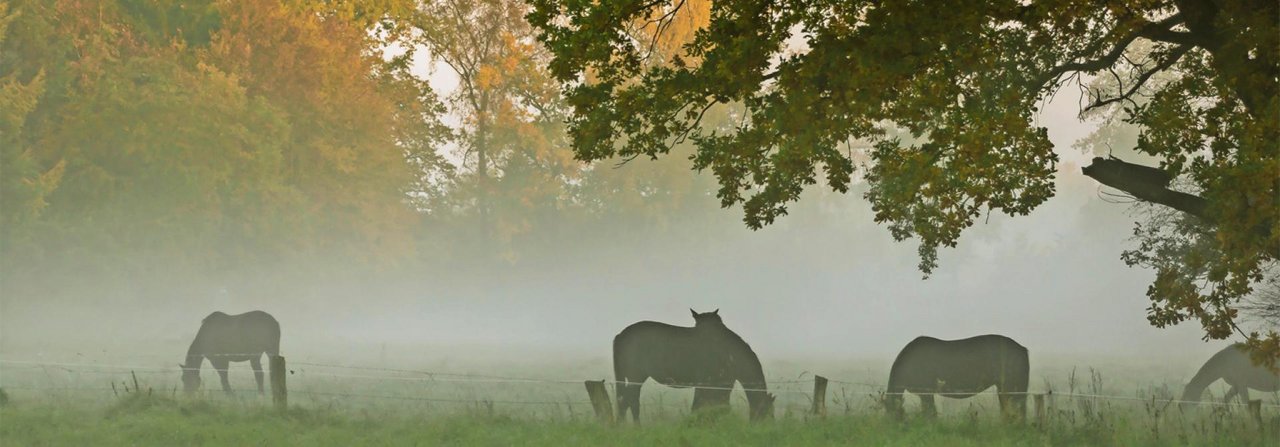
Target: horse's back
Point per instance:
(671, 355)
(970, 362)
(246, 333)
(982, 344)
(216, 316)
(1238, 369)
(255, 318)
(650, 327)
(646, 333)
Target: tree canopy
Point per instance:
(198, 145)
(816, 79)
(210, 134)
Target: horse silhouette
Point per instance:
(231, 338)
(708, 357)
(959, 369)
(1231, 364)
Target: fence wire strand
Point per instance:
(449, 377)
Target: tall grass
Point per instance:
(141, 418)
(70, 406)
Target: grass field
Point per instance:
(138, 419)
(67, 403)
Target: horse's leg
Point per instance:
(1012, 406)
(256, 363)
(930, 409)
(1244, 394)
(1019, 402)
(221, 367)
(633, 395)
(1005, 401)
(620, 389)
(1230, 394)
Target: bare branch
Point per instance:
(626, 160)
(661, 25)
(695, 123)
(1142, 79)
(1159, 31)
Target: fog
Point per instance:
(824, 284)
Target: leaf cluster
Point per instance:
(966, 82)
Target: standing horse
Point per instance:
(1232, 365)
(960, 369)
(231, 338)
(708, 357)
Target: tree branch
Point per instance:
(1173, 57)
(1160, 31)
(1144, 183)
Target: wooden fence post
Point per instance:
(1040, 416)
(819, 395)
(1255, 409)
(1049, 407)
(600, 400)
(279, 392)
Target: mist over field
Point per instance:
(823, 284)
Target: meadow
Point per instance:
(93, 401)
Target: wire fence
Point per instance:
(305, 373)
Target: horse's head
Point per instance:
(190, 378)
(707, 319)
(1190, 396)
(761, 405)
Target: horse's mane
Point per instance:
(735, 342)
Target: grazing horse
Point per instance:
(960, 369)
(231, 338)
(1231, 364)
(708, 357)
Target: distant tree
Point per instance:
(208, 134)
(1264, 304)
(516, 162)
(967, 80)
(24, 182)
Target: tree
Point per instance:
(209, 136)
(966, 80)
(512, 130)
(24, 183)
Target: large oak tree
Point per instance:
(1199, 77)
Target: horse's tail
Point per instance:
(1016, 381)
(272, 333)
(895, 389)
(619, 378)
(1019, 379)
(273, 349)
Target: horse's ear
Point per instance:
(691, 312)
(716, 312)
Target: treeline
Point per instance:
(233, 140)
